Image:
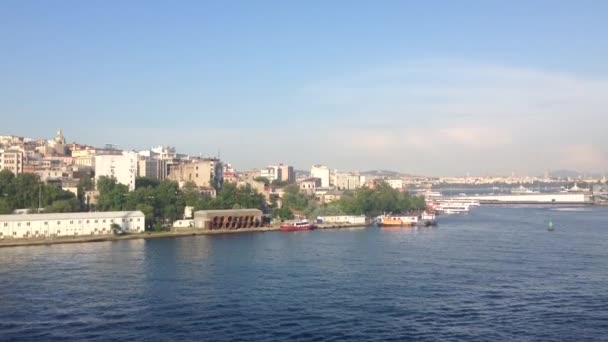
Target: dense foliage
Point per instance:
(381, 199)
(164, 202)
(364, 201)
(24, 191)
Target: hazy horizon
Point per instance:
(438, 88)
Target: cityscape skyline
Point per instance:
(404, 87)
(113, 149)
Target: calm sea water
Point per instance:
(494, 274)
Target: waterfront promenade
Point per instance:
(176, 233)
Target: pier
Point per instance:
(549, 198)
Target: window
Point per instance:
(6, 224)
(18, 224)
(71, 222)
(112, 221)
(46, 223)
(104, 221)
(87, 221)
(58, 222)
(130, 220)
(96, 221)
(27, 224)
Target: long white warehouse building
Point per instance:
(69, 224)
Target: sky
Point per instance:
(422, 87)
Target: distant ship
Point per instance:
(296, 226)
(522, 190)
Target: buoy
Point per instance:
(550, 228)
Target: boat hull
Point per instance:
(403, 224)
(292, 228)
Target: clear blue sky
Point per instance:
(416, 86)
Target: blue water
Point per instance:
(493, 274)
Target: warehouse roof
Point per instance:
(70, 216)
(228, 212)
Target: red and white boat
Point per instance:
(296, 225)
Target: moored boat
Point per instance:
(296, 226)
(427, 219)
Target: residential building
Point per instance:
(310, 185)
(203, 173)
(152, 168)
(11, 160)
(287, 173)
(121, 167)
(271, 173)
(328, 196)
(69, 224)
(249, 175)
(348, 181)
(323, 173)
(10, 140)
(395, 183)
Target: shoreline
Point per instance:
(153, 235)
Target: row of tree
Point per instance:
(366, 201)
(164, 202)
(26, 191)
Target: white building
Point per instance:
(322, 172)
(272, 173)
(69, 224)
(121, 167)
(395, 183)
(348, 181)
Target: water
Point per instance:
(494, 274)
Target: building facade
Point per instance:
(348, 181)
(69, 224)
(204, 173)
(228, 219)
(310, 185)
(271, 173)
(288, 174)
(121, 167)
(395, 183)
(323, 173)
(11, 160)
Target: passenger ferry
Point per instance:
(296, 226)
(453, 207)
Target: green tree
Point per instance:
(146, 182)
(294, 199)
(277, 183)
(112, 195)
(283, 213)
(84, 184)
(264, 180)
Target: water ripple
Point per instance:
(493, 275)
